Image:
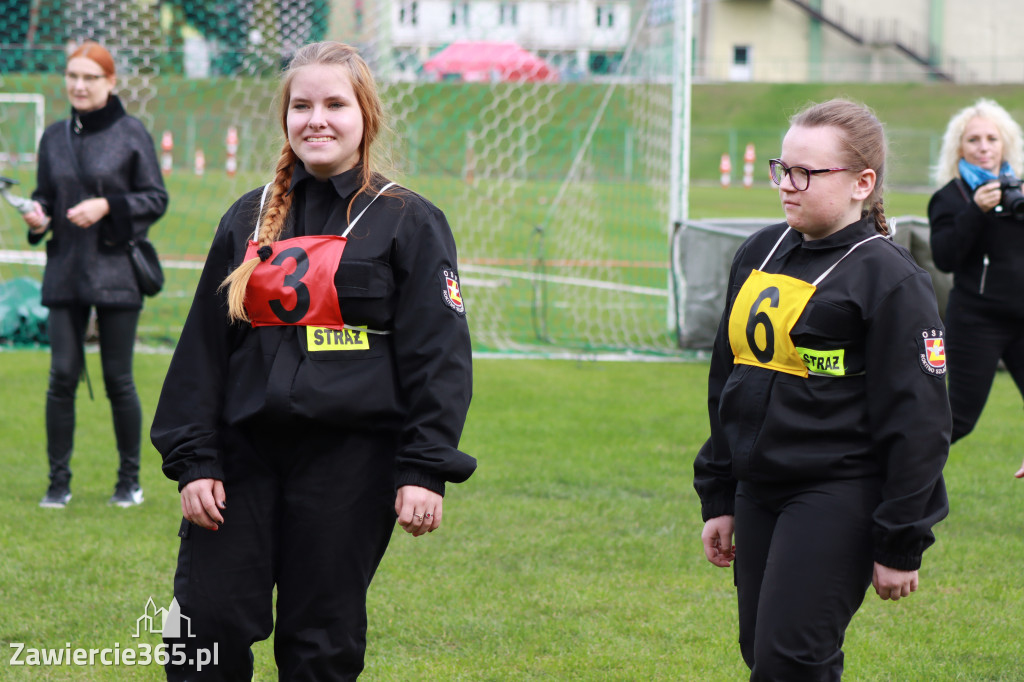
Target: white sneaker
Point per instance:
(55, 498)
(126, 495)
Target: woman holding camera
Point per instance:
(975, 236)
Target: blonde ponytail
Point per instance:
(271, 226)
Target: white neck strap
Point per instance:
(263, 199)
(824, 274)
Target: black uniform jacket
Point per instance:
(118, 162)
(887, 417)
(984, 251)
(415, 381)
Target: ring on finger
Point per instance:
(417, 516)
(428, 516)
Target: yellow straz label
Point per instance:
(322, 338)
(823, 361)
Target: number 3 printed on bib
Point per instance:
(763, 315)
(295, 286)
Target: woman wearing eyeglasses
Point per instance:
(98, 185)
(976, 236)
(827, 400)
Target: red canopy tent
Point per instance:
(483, 61)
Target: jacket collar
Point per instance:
(100, 119)
(849, 235)
(345, 184)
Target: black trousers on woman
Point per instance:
(117, 328)
(975, 342)
(803, 564)
(310, 510)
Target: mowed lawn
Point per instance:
(572, 554)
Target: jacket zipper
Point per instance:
(984, 271)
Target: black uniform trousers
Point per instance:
(975, 342)
(803, 564)
(309, 509)
(66, 328)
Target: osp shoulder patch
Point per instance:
(931, 346)
(451, 292)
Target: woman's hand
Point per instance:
(1020, 472)
(893, 584)
(418, 509)
(202, 501)
(37, 220)
(87, 213)
(988, 196)
(717, 539)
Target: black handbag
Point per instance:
(144, 259)
(146, 265)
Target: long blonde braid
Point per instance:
(271, 225)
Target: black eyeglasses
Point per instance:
(87, 78)
(798, 175)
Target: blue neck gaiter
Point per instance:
(976, 176)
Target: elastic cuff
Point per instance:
(899, 562)
(421, 479)
(716, 508)
(200, 471)
(36, 237)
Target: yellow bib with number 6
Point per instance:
(762, 318)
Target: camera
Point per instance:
(1013, 198)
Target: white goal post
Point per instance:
(11, 152)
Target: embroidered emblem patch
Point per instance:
(932, 352)
(451, 293)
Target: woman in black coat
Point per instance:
(98, 186)
(977, 235)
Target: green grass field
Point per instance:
(572, 554)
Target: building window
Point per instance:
(605, 16)
(558, 15)
(507, 14)
(407, 13)
(742, 63)
(460, 14)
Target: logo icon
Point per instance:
(161, 621)
(931, 351)
(451, 292)
(936, 352)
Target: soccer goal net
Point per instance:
(542, 129)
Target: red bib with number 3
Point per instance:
(295, 286)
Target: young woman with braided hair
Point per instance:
(827, 400)
(317, 393)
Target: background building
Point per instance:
(860, 40)
(577, 36)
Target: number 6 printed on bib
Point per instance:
(763, 315)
